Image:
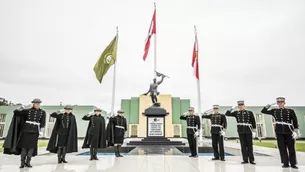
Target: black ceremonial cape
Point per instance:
(102, 136)
(72, 137)
(110, 133)
(13, 136)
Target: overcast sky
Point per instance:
(250, 50)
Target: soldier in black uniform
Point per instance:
(96, 135)
(218, 128)
(286, 129)
(24, 131)
(246, 128)
(116, 129)
(64, 135)
(193, 127)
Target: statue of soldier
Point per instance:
(153, 88)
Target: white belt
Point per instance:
(121, 127)
(244, 124)
(283, 123)
(192, 127)
(216, 125)
(31, 122)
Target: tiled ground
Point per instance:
(145, 164)
(154, 163)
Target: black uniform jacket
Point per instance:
(217, 119)
(192, 121)
(97, 128)
(72, 135)
(243, 117)
(283, 115)
(18, 126)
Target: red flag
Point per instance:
(151, 31)
(195, 64)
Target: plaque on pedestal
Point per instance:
(155, 120)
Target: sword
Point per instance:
(161, 74)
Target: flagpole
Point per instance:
(114, 76)
(155, 46)
(198, 87)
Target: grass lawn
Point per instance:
(41, 144)
(300, 146)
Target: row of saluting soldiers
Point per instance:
(286, 129)
(28, 124)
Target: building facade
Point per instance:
(174, 127)
(6, 114)
(135, 106)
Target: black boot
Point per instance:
(119, 151)
(63, 155)
(91, 154)
(23, 156)
(29, 157)
(28, 162)
(59, 152)
(116, 151)
(95, 154)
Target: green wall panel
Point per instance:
(134, 110)
(176, 110)
(184, 106)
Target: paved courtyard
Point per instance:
(152, 163)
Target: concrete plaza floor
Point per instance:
(152, 163)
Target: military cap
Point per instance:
(240, 102)
(215, 106)
(120, 111)
(36, 101)
(280, 99)
(98, 109)
(191, 109)
(68, 107)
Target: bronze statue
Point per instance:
(153, 88)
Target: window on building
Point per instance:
(260, 125)
(51, 119)
(2, 123)
(273, 126)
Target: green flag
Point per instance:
(106, 60)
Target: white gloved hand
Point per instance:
(60, 111)
(29, 106)
(196, 134)
(222, 133)
(90, 113)
(269, 105)
(125, 135)
(294, 135)
(232, 108)
(21, 108)
(253, 134)
(40, 134)
(185, 113)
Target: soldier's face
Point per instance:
(280, 103)
(241, 107)
(68, 111)
(121, 114)
(36, 105)
(215, 110)
(191, 112)
(97, 113)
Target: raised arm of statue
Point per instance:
(159, 82)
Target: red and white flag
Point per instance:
(151, 31)
(195, 64)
